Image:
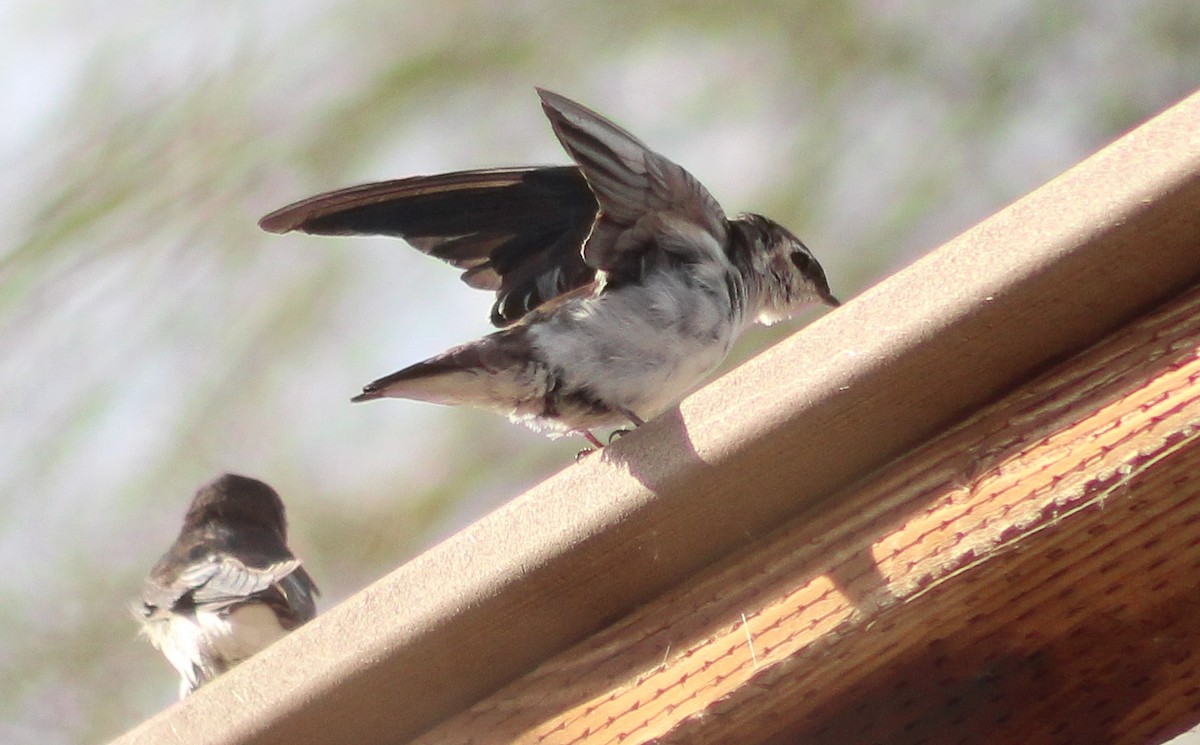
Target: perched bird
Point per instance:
(229, 586)
(620, 284)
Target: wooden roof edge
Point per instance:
(1028, 572)
(1043, 278)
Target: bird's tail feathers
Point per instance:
(483, 374)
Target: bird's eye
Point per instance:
(802, 261)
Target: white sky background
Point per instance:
(151, 337)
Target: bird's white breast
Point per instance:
(194, 643)
(643, 346)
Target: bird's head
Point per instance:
(788, 276)
(237, 500)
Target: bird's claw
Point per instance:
(617, 434)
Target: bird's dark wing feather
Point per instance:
(516, 231)
(205, 571)
(299, 595)
(217, 580)
(631, 183)
(227, 579)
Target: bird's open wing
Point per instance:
(516, 231)
(634, 186)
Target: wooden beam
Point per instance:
(1041, 280)
(1029, 576)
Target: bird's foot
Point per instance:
(595, 443)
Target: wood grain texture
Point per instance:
(1029, 576)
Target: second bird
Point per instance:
(620, 283)
(229, 585)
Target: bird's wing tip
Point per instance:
(279, 222)
(370, 392)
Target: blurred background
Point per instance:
(151, 337)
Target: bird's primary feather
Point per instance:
(515, 231)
